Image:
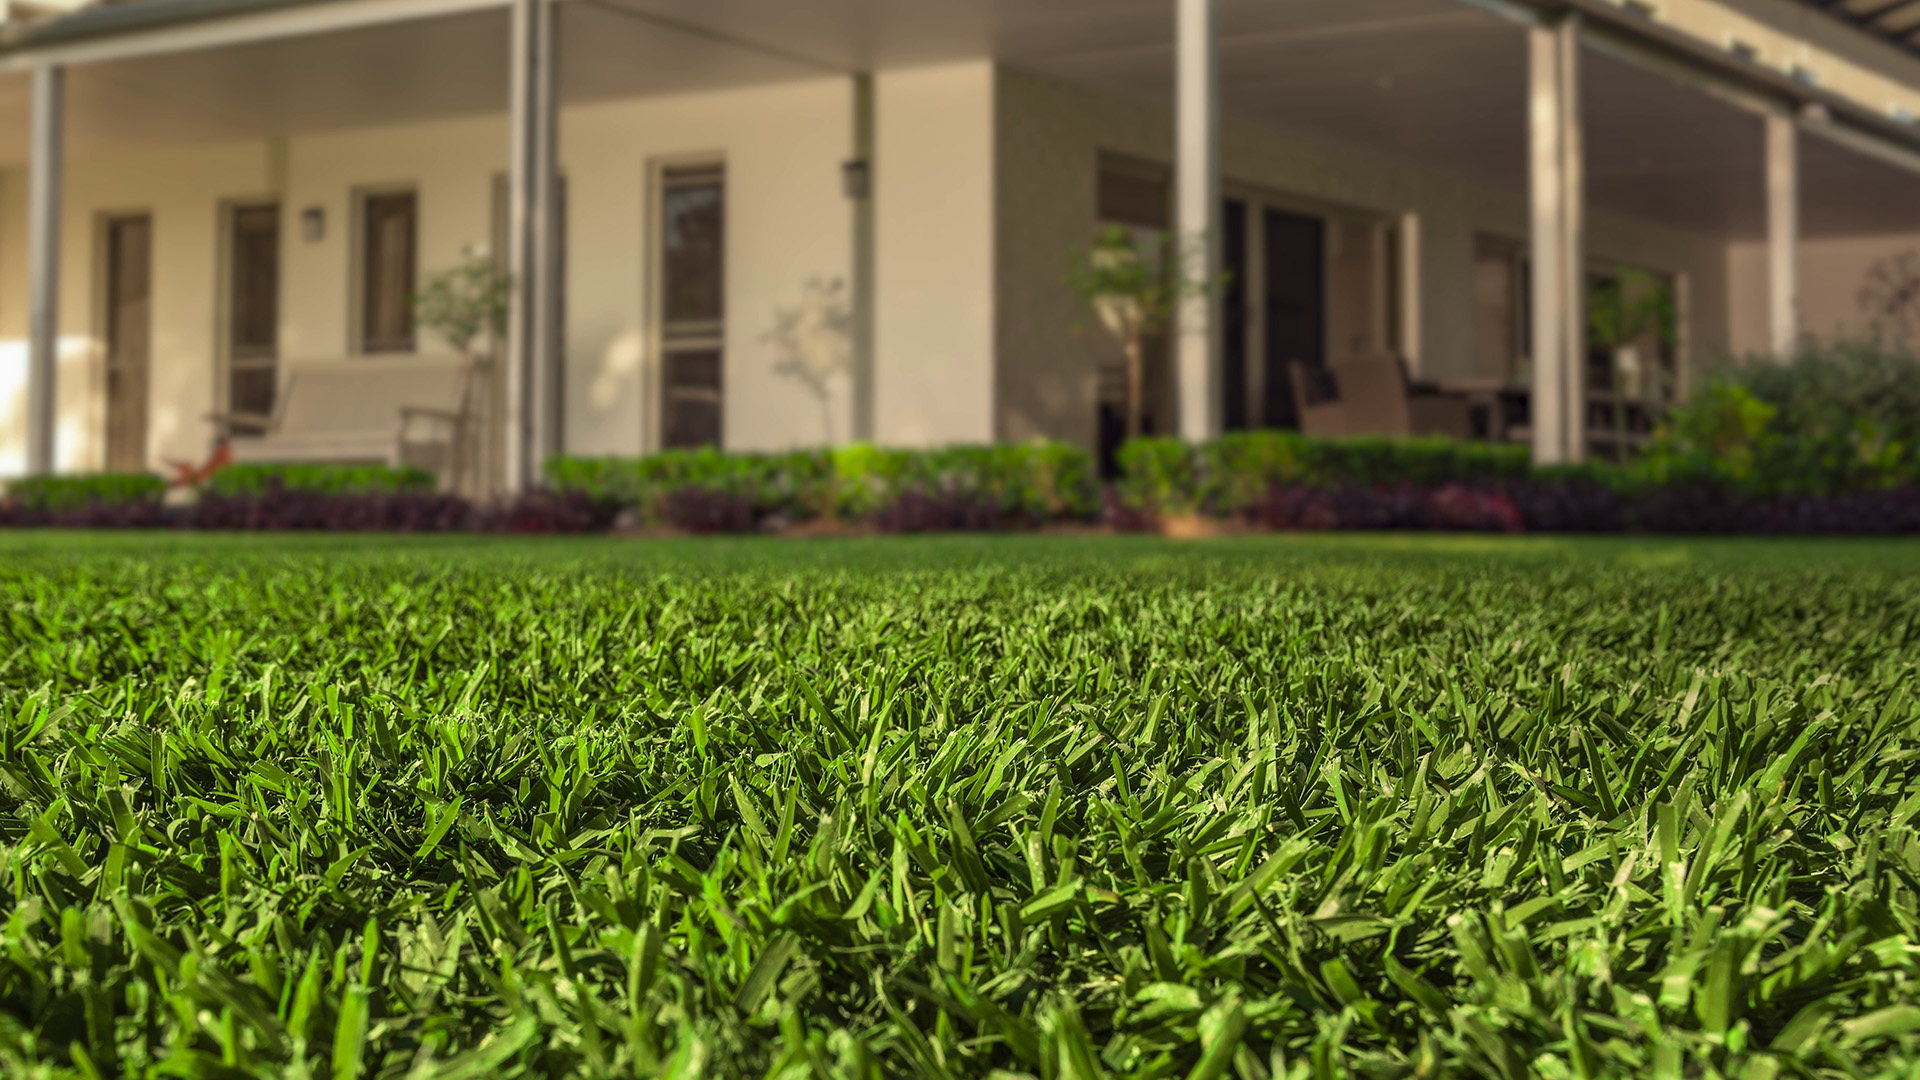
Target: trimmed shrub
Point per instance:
(1233, 476)
(68, 494)
(254, 480)
(711, 491)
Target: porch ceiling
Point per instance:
(1436, 81)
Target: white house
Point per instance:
(771, 223)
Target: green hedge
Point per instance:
(1039, 482)
(59, 494)
(244, 481)
(1229, 474)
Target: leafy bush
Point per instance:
(794, 485)
(1232, 476)
(1728, 436)
(705, 490)
(66, 494)
(251, 480)
(1834, 386)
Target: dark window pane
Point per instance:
(1130, 196)
(388, 250)
(694, 371)
(692, 424)
(252, 391)
(693, 398)
(255, 300)
(693, 245)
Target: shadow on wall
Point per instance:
(813, 343)
(1890, 298)
(73, 436)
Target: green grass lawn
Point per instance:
(1302, 807)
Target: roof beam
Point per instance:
(266, 22)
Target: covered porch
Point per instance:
(1443, 181)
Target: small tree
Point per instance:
(1134, 284)
(466, 302)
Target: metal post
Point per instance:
(863, 259)
(1573, 273)
(1783, 234)
(1559, 307)
(530, 406)
(1407, 259)
(1198, 236)
(548, 406)
(43, 265)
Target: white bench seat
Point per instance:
(363, 410)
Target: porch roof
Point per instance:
(1437, 81)
(1897, 21)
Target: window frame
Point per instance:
(360, 279)
(233, 358)
(692, 337)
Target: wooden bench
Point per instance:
(400, 410)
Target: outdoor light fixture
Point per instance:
(856, 178)
(313, 224)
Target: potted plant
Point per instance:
(1625, 313)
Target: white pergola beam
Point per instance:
(43, 266)
(1197, 226)
(239, 29)
(1783, 234)
(1557, 187)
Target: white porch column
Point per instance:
(1559, 262)
(861, 191)
(1783, 234)
(1197, 136)
(532, 405)
(43, 265)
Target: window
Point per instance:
(692, 304)
(390, 226)
(253, 308)
(1501, 317)
(1135, 194)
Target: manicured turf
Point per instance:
(1060, 807)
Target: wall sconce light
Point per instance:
(856, 178)
(313, 224)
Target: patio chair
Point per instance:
(1376, 398)
(1316, 401)
(385, 410)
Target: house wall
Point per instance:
(1051, 135)
(788, 224)
(1833, 273)
(935, 242)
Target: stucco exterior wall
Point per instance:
(788, 223)
(1833, 273)
(1051, 135)
(935, 242)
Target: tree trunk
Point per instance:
(1136, 384)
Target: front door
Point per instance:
(129, 320)
(1273, 308)
(1296, 305)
